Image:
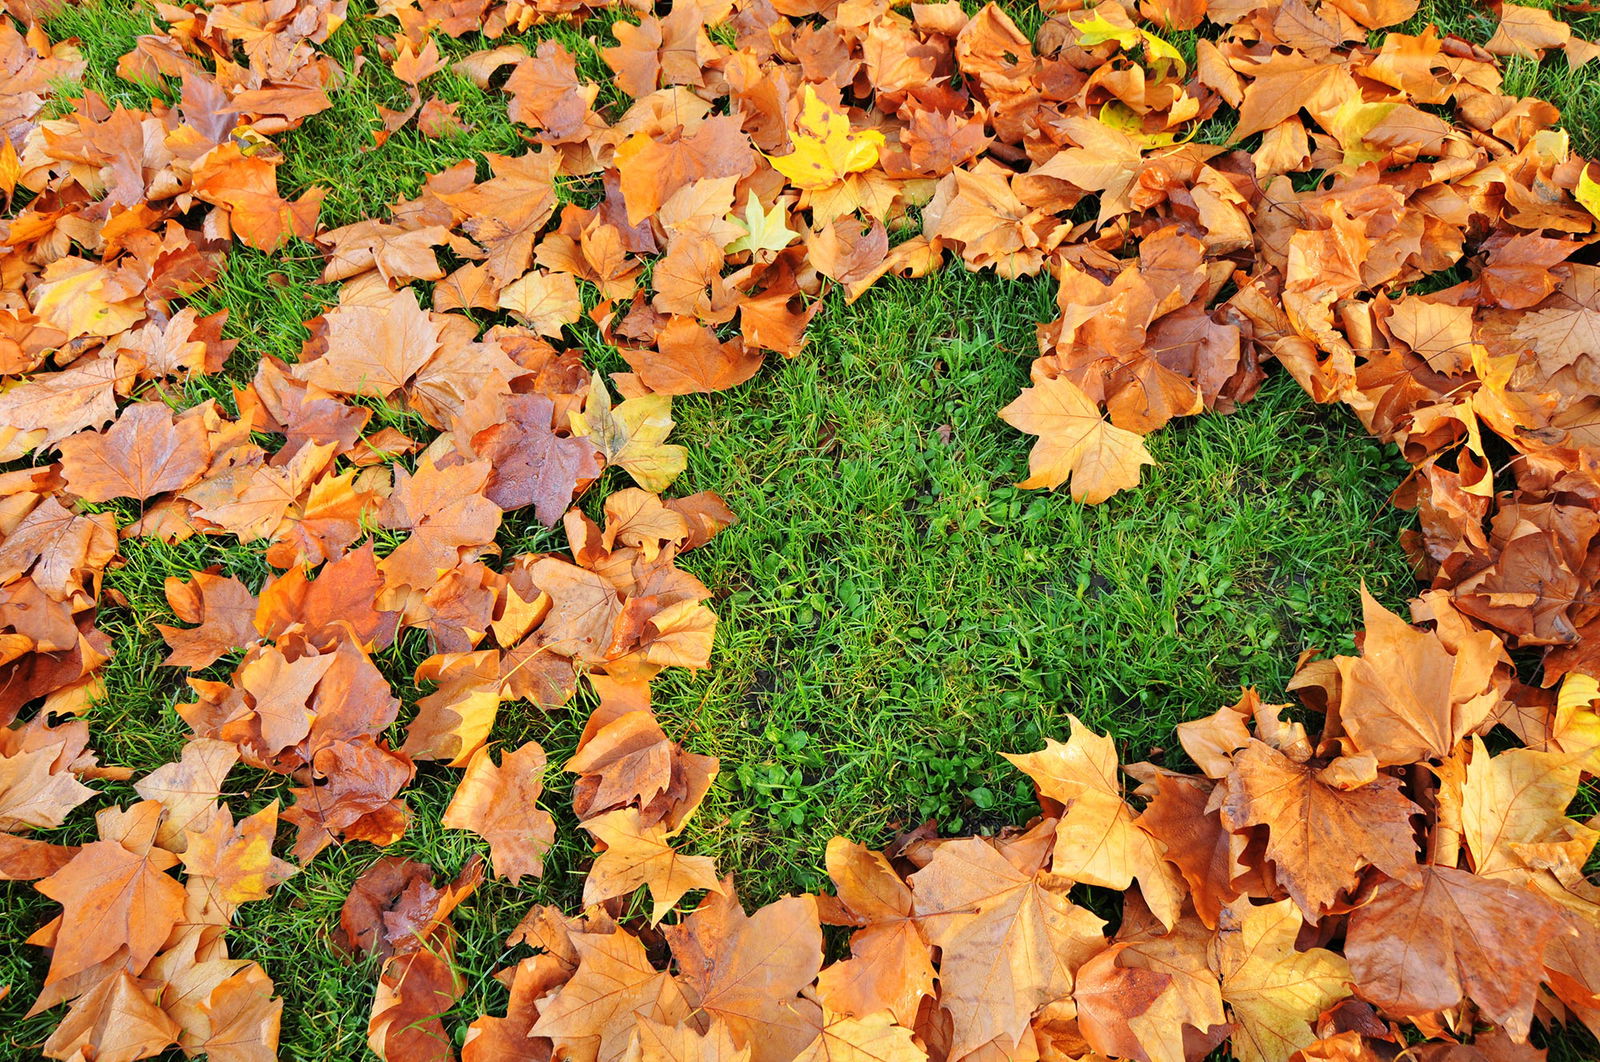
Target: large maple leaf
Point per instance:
(1274, 990)
(1454, 937)
(499, 802)
(1321, 830)
(1075, 442)
(1009, 937)
(115, 894)
(1098, 841)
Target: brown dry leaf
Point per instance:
(415, 991)
(1075, 442)
(875, 1038)
(1283, 85)
(1441, 333)
(117, 1019)
(1274, 990)
(651, 169)
(1097, 840)
(638, 855)
(40, 412)
(25, 859)
(1011, 940)
(358, 798)
(223, 607)
(658, 1042)
(143, 454)
(493, 1039)
(1322, 831)
(1455, 937)
(246, 187)
(1180, 815)
(533, 465)
(1408, 697)
(628, 760)
(234, 862)
(241, 1018)
(115, 895)
(1516, 802)
(1527, 31)
(1151, 992)
(542, 300)
(500, 804)
(689, 359)
(891, 964)
(747, 970)
(374, 349)
(615, 986)
(189, 789)
(39, 780)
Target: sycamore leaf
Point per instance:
(635, 855)
(374, 350)
(747, 970)
(188, 789)
(1409, 697)
(1321, 832)
(875, 1038)
(1588, 192)
(891, 964)
(1011, 939)
(37, 790)
(1274, 990)
(1517, 801)
(118, 1019)
(500, 804)
(766, 232)
(632, 435)
(1458, 936)
(658, 1042)
(115, 894)
(1161, 55)
(544, 300)
(145, 453)
(1074, 442)
(1282, 85)
(236, 861)
(614, 987)
(1097, 841)
(689, 359)
(1527, 31)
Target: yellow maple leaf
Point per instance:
(1588, 193)
(632, 435)
(10, 168)
(1161, 56)
(1350, 122)
(826, 149)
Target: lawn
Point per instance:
(894, 613)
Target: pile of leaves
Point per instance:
(1384, 881)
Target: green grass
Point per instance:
(898, 614)
(894, 612)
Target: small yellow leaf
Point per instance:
(10, 167)
(1163, 59)
(763, 230)
(1588, 193)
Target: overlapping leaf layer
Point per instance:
(1377, 873)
